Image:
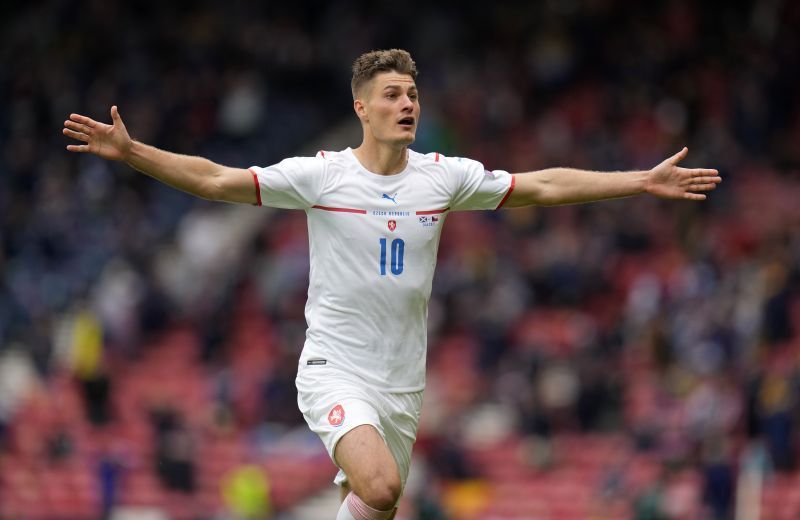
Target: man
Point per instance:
(375, 214)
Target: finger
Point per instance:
(78, 147)
(702, 180)
(703, 172)
(83, 120)
(678, 157)
(115, 115)
(694, 196)
(72, 125)
(76, 135)
(703, 187)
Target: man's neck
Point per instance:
(382, 159)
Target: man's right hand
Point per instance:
(106, 141)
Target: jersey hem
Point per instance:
(356, 378)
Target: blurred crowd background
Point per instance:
(635, 358)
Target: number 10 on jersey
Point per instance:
(398, 248)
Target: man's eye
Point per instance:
(391, 96)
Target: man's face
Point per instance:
(390, 106)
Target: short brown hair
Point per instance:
(371, 63)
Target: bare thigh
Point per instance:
(366, 460)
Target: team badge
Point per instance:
(392, 225)
(336, 415)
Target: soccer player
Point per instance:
(375, 215)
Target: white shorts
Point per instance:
(334, 402)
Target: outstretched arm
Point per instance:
(569, 186)
(194, 175)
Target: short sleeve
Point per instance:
(294, 183)
(477, 187)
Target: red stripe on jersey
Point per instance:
(510, 189)
(258, 188)
(432, 211)
(437, 157)
(322, 153)
(344, 210)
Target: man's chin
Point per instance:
(404, 139)
(407, 139)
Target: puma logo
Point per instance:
(385, 196)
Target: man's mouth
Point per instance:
(407, 122)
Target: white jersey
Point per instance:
(373, 241)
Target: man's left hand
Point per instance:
(670, 181)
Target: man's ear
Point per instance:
(361, 110)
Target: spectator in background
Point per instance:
(246, 491)
(59, 445)
(17, 378)
(650, 502)
(776, 409)
(223, 414)
(174, 450)
(598, 401)
(109, 471)
(87, 365)
(719, 478)
(536, 428)
(447, 456)
(279, 395)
